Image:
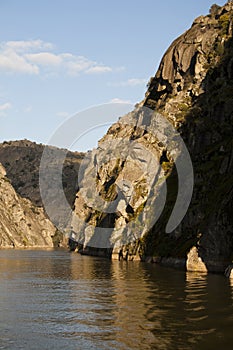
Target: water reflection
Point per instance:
(196, 325)
(195, 299)
(53, 299)
(131, 293)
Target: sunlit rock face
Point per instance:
(194, 262)
(229, 272)
(22, 161)
(22, 224)
(132, 182)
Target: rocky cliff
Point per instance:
(197, 70)
(22, 224)
(21, 160)
(141, 170)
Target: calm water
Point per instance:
(57, 300)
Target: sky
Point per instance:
(59, 58)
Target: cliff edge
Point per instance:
(193, 92)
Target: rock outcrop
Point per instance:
(21, 160)
(199, 101)
(123, 187)
(22, 224)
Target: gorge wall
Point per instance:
(21, 159)
(198, 71)
(22, 224)
(134, 190)
(193, 92)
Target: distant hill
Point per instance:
(21, 160)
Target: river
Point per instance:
(53, 299)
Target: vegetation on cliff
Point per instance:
(192, 90)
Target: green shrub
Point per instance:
(224, 21)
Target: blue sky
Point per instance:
(61, 57)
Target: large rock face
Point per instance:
(199, 100)
(193, 92)
(21, 160)
(22, 224)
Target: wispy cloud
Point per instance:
(63, 114)
(10, 61)
(130, 82)
(27, 109)
(99, 69)
(25, 45)
(119, 100)
(44, 58)
(4, 108)
(34, 56)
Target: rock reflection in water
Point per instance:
(56, 300)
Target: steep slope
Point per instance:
(198, 72)
(22, 224)
(192, 96)
(21, 160)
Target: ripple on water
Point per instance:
(56, 300)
